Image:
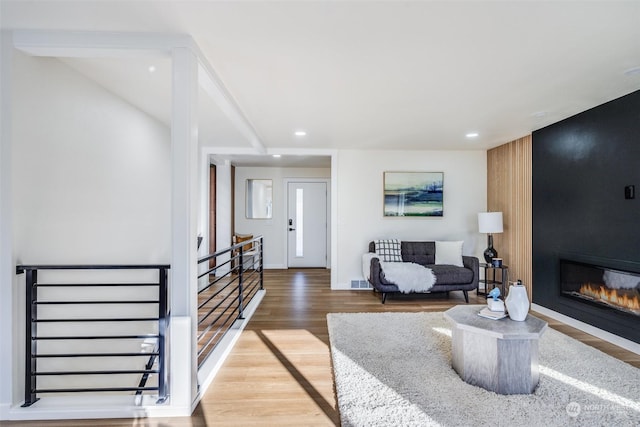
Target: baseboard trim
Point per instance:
(69, 408)
(4, 411)
(590, 329)
(284, 267)
(275, 267)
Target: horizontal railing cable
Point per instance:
(131, 354)
(96, 337)
(112, 372)
(210, 325)
(95, 302)
(92, 285)
(215, 334)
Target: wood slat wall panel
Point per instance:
(509, 172)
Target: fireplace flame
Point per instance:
(611, 296)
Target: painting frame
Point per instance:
(413, 194)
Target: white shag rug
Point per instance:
(394, 369)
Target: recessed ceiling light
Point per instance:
(277, 156)
(152, 68)
(300, 133)
(472, 135)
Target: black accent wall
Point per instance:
(581, 167)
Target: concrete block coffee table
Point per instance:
(497, 355)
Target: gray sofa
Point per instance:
(448, 277)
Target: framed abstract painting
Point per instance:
(413, 194)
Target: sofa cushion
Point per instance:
(422, 253)
(389, 250)
(451, 275)
(449, 253)
(418, 259)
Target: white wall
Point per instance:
(7, 265)
(360, 201)
(274, 230)
(91, 179)
(91, 173)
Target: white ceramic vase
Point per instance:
(517, 302)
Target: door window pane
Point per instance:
(299, 222)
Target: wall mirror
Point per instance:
(259, 201)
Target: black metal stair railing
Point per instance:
(72, 320)
(229, 286)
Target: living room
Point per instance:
(395, 102)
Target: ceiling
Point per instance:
(363, 75)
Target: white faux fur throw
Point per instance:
(408, 276)
(366, 263)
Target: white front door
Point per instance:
(307, 224)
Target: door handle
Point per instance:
(291, 229)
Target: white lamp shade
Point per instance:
(490, 222)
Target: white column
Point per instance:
(224, 199)
(203, 212)
(184, 205)
(7, 269)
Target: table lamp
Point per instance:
(490, 222)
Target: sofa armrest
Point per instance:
(377, 280)
(375, 273)
(473, 264)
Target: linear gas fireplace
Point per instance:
(601, 286)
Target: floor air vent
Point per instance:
(360, 284)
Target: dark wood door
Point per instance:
(212, 213)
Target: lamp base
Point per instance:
(490, 253)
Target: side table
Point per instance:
(490, 279)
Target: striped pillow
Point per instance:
(389, 250)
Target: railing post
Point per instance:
(31, 331)
(162, 330)
(240, 283)
(261, 265)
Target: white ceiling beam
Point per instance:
(85, 44)
(245, 151)
(213, 86)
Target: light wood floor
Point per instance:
(279, 372)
